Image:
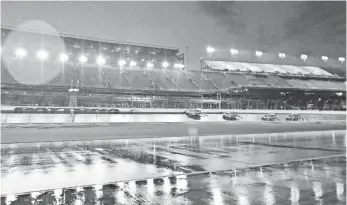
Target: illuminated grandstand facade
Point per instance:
(116, 81)
(115, 53)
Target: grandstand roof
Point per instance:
(65, 35)
(263, 68)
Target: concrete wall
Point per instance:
(10, 118)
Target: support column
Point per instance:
(73, 93)
(132, 103)
(202, 99)
(220, 101)
(150, 102)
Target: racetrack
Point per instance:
(71, 132)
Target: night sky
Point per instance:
(314, 28)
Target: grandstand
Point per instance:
(135, 75)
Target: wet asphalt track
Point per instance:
(234, 169)
(68, 132)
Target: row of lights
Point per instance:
(43, 55)
(211, 50)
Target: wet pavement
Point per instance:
(20, 133)
(272, 168)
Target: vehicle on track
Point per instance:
(232, 116)
(294, 117)
(269, 117)
(195, 114)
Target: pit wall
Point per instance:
(13, 118)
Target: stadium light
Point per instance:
(342, 59)
(133, 63)
(210, 50)
(63, 57)
(149, 65)
(281, 55)
(165, 64)
(258, 53)
(234, 51)
(42, 54)
(21, 52)
(303, 57)
(83, 59)
(100, 60)
(122, 62)
(324, 58)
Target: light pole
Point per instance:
(319, 99)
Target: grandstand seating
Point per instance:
(320, 84)
(161, 80)
(295, 70)
(65, 78)
(270, 68)
(257, 81)
(138, 79)
(219, 79)
(266, 68)
(278, 82)
(6, 77)
(200, 80)
(316, 71)
(181, 80)
(115, 78)
(89, 77)
(237, 79)
(301, 84)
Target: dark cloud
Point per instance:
(227, 13)
(298, 27)
(325, 21)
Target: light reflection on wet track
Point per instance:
(247, 169)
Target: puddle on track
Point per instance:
(46, 166)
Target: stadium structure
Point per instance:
(98, 73)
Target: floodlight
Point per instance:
(21, 52)
(100, 60)
(178, 65)
(210, 50)
(342, 59)
(339, 94)
(63, 57)
(83, 59)
(122, 62)
(42, 54)
(324, 58)
(234, 51)
(149, 65)
(133, 63)
(165, 64)
(281, 55)
(258, 53)
(303, 57)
